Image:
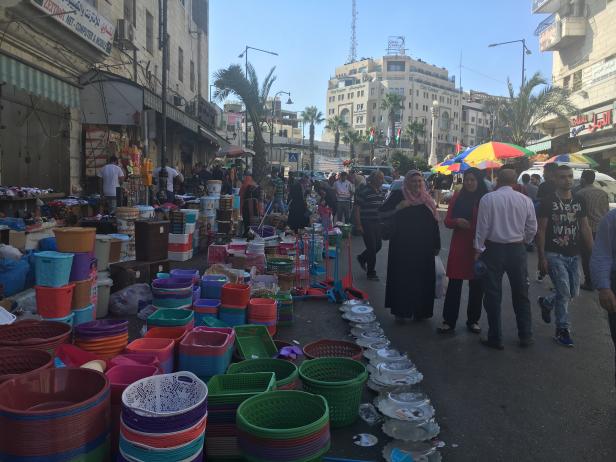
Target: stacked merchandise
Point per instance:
(180, 236)
(285, 308)
(206, 351)
(152, 238)
(38, 335)
(126, 217)
(101, 289)
(54, 294)
(164, 418)
(17, 361)
(54, 415)
(84, 275)
(205, 308)
(171, 317)
(233, 303)
(226, 393)
(172, 292)
(211, 205)
(286, 373)
(254, 342)
(263, 311)
(162, 348)
(105, 338)
(278, 435)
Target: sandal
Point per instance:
(445, 329)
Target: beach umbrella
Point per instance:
(493, 151)
(489, 164)
(573, 158)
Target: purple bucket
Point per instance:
(173, 283)
(186, 273)
(163, 424)
(82, 266)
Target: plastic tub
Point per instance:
(161, 347)
(102, 300)
(174, 333)
(52, 269)
(170, 317)
(211, 285)
(186, 273)
(42, 335)
(287, 375)
(81, 267)
(235, 294)
(82, 294)
(70, 319)
(75, 239)
(121, 376)
(214, 187)
(54, 302)
(83, 315)
(262, 308)
(16, 361)
(102, 250)
(192, 215)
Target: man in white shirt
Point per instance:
(344, 191)
(112, 176)
(506, 221)
(165, 176)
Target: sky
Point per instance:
(312, 37)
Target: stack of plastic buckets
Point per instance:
(206, 351)
(263, 311)
(233, 302)
(205, 308)
(285, 309)
(211, 285)
(162, 348)
(54, 294)
(172, 292)
(170, 317)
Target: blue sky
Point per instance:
(312, 38)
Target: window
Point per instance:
(192, 75)
(417, 106)
(373, 105)
(455, 115)
(361, 133)
(472, 131)
(129, 11)
(395, 66)
(149, 32)
(426, 95)
(472, 119)
(577, 81)
(373, 119)
(372, 91)
(180, 64)
(566, 82)
(423, 120)
(410, 105)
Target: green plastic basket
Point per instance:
(286, 372)
(280, 265)
(254, 341)
(267, 415)
(170, 317)
(235, 388)
(211, 321)
(340, 381)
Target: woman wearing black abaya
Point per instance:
(297, 207)
(415, 240)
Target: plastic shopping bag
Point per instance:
(441, 278)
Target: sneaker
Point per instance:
(546, 310)
(563, 337)
(373, 277)
(361, 262)
(474, 328)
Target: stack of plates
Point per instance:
(419, 452)
(410, 416)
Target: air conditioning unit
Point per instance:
(125, 33)
(177, 100)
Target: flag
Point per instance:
(398, 134)
(389, 136)
(371, 139)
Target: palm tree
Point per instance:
(516, 117)
(311, 115)
(336, 124)
(412, 131)
(233, 81)
(392, 104)
(352, 138)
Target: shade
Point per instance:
(573, 159)
(493, 151)
(235, 151)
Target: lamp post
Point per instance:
(289, 101)
(244, 54)
(525, 51)
(435, 111)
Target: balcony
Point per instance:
(545, 6)
(562, 34)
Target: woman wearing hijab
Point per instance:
(462, 218)
(249, 202)
(297, 207)
(415, 240)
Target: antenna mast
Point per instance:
(353, 48)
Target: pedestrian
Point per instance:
(165, 176)
(298, 211)
(344, 192)
(458, 185)
(324, 208)
(112, 177)
(368, 199)
(249, 202)
(547, 188)
(462, 218)
(278, 182)
(535, 179)
(603, 269)
(505, 222)
(531, 188)
(563, 230)
(597, 204)
(331, 179)
(415, 240)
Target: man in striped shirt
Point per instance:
(368, 200)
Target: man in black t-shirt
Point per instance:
(547, 188)
(563, 230)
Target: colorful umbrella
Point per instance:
(574, 159)
(492, 151)
(489, 164)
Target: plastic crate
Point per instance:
(170, 318)
(254, 342)
(236, 388)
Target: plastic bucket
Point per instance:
(82, 294)
(82, 264)
(83, 315)
(234, 294)
(65, 319)
(75, 239)
(102, 300)
(209, 202)
(52, 269)
(211, 285)
(54, 302)
(102, 250)
(161, 347)
(214, 187)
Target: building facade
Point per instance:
(70, 68)
(581, 35)
(357, 90)
(477, 119)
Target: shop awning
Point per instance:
(597, 149)
(155, 102)
(39, 83)
(544, 144)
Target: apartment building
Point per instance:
(476, 125)
(357, 89)
(581, 35)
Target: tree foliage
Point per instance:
(404, 163)
(337, 125)
(311, 115)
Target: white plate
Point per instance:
(362, 309)
(361, 318)
(410, 431)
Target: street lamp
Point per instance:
(525, 51)
(289, 101)
(244, 54)
(435, 111)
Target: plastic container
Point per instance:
(287, 375)
(17, 361)
(102, 300)
(180, 256)
(102, 251)
(192, 215)
(254, 342)
(81, 267)
(54, 302)
(52, 269)
(180, 239)
(186, 273)
(121, 376)
(84, 315)
(170, 317)
(82, 294)
(232, 316)
(115, 247)
(174, 333)
(32, 334)
(162, 348)
(151, 240)
(235, 294)
(211, 285)
(209, 202)
(214, 187)
(179, 248)
(262, 308)
(127, 273)
(75, 239)
(337, 348)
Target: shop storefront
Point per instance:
(593, 133)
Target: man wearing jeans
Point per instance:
(603, 268)
(563, 229)
(368, 200)
(506, 221)
(344, 191)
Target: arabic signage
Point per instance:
(549, 37)
(603, 70)
(85, 21)
(591, 122)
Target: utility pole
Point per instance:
(164, 45)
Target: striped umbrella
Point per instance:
(493, 151)
(574, 159)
